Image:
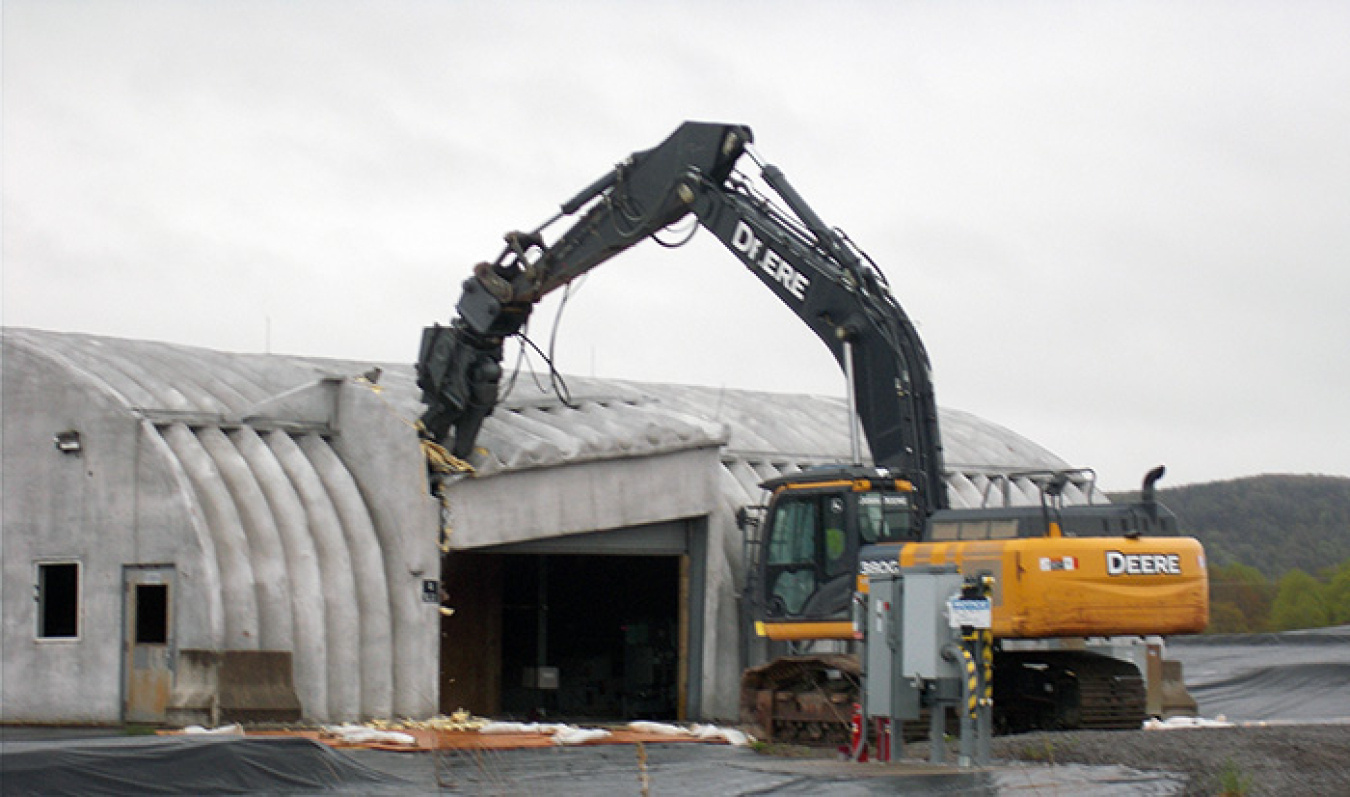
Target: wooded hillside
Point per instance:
(1271, 523)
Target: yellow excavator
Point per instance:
(1063, 571)
(1062, 574)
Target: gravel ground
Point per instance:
(1280, 759)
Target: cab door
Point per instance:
(809, 561)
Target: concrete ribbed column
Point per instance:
(240, 600)
(273, 588)
(207, 614)
(372, 590)
(310, 648)
(342, 621)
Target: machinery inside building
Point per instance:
(606, 626)
(572, 636)
(566, 635)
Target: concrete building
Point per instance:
(190, 535)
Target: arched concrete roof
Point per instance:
(763, 435)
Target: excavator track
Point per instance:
(809, 699)
(802, 699)
(1066, 690)
(1111, 694)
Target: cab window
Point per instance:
(792, 539)
(793, 554)
(884, 517)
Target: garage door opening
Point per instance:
(604, 625)
(591, 637)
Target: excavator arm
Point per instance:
(811, 267)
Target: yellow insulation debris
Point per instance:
(458, 721)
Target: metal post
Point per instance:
(937, 728)
(970, 691)
(854, 444)
(985, 724)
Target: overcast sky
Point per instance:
(1122, 228)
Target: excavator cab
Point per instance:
(806, 562)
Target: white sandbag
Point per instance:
(579, 735)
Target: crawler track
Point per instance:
(809, 699)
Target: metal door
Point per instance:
(148, 644)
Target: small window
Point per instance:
(946, 531)
(1002, 529)
(152, 614)
(58, 597)
(884, 517)
(975, 530)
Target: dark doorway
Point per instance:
(471, 634)
(590, 637)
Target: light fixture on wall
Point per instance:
(68, 442)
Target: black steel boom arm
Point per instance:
(809, 266)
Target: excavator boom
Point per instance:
(810, 267)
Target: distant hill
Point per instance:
(1272, 523)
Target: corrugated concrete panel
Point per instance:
(301, 558)
(276, 540)
(342, 619)
(276, 627)
(372, 590)
(765, 435)
(231, 551)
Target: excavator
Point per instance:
(1064, 572)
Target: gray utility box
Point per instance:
(905, 631)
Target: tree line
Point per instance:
(1273, 523)
(1242, 600)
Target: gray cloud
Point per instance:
(1122, 228)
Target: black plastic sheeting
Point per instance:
(1300, 676)
(182, 765)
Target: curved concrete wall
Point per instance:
(259, 507)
